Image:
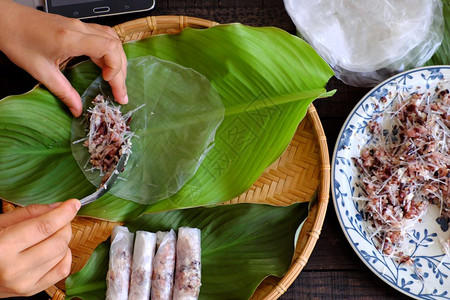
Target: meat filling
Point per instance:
(108, 135)
(406, 167)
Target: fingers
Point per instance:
(73, 38)
(103, 46)
(33, 231)
(58, 84)
(119, 88)
(60, 271)
(106, 51)
(24, 213)
(118, 82)
(38, 279)
(114, 69)
(32, 281)
(46, 263)
(48, 252)
(124, 74)
(35, 251)
(102, 30)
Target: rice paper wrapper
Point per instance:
(366, 41)
(164, 268)
(142, 267)
(174, 129)
(120, 258)
(188, 264)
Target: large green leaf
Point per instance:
(36, 163)
(241, 245)
(176, 112)
(266, 79)
(442, 55)
(90, 282)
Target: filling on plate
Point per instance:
(405, 168)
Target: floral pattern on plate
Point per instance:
(429, 276)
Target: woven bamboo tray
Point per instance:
(294, 177)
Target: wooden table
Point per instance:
(334, 271)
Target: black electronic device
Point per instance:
(83, 9)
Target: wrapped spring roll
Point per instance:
(120, 256)
(188, 266)
(142, 267)
(164, 268)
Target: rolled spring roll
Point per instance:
(188, 266)
(164, 268)
(120, 256)
(142, 267)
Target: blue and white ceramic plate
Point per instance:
(429, 276)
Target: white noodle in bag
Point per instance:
(367, 41)
(188, 266)
(142, 267)
(164, 268)
(120, 256)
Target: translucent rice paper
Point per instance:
(120, 258)
(188, 264)
(367, 41)
(174, 130)
(142, 266)
(164, 266)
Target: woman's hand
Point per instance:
(34, 247)
(38, 42)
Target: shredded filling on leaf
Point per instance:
(405, 167)
(108, 135)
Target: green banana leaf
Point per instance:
(174, 129)
(266, 78)
(36, 162)
(241, 245)
(442, 55)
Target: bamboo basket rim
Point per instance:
(144, 27)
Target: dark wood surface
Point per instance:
(334, 271)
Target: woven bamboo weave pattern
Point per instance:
(296, 176)
(145, 27)
(313, 160)
(87, 233)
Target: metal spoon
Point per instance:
(109, 183)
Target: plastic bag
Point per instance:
(367, 41)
